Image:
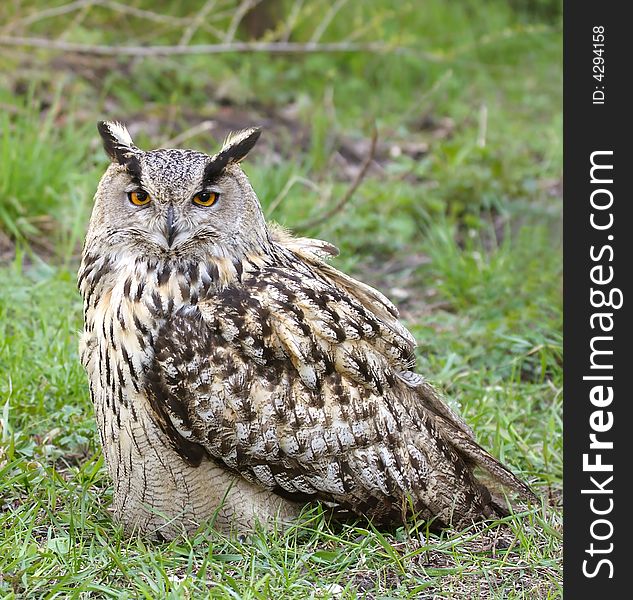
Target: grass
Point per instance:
(458, 221)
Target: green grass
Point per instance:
(464, 236)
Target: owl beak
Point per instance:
(171, 229)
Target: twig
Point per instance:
(497, 36)
(347, 196)
(327, 19)
(157, 17)
(240, 11)
(291, 21)
(50, 12)
(76, 21)
(116, 7)
(372, 24)
(483, 126)
(238, 47)
(286, 189)
(188, 134)
(196, 22)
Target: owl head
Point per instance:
(172, 203)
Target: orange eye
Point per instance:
(139, 197)
(205, 198)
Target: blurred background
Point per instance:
(422, 138)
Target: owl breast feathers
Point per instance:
(251, 356)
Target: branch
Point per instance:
(209, 5)
(327, 19)
(338, 207)
(295, 11)
(188, 134)
(239, 14)
(237, 47)
(52, 12)
(119, 7)
(270, 209)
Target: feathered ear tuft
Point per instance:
(239, 143)
(117, 142)
(235, 148)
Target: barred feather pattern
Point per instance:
(259, 383)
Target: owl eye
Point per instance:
(139, 197)
(206, 198)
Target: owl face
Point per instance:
(173, 203)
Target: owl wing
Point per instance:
(300, 379)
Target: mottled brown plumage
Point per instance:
(237, 375)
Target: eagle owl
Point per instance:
(236, 375)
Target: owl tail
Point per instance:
(497, 478)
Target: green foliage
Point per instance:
(43, 183)
(462, 232)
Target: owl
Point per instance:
(236, 375)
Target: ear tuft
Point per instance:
(239, 143)
(117, 141)
(235, 148)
